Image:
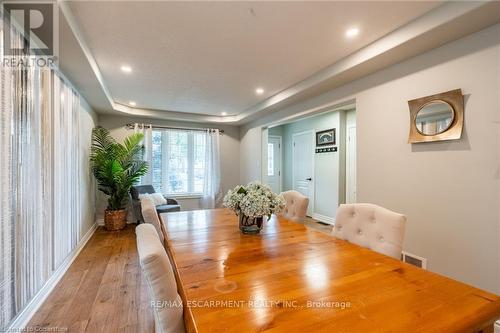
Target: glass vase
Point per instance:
(250, 225)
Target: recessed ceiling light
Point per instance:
(126, 69)
(259, 91)
(131, 103)
(352, 32)
(223, 113)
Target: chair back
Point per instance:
(141, 189)
(162, 288)
(150, 215)
(372, 227)
(296, 205)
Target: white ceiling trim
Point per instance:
(85, 49)
(418, 27)
(158, 114)
(172, 115)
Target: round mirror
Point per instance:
(434, 118)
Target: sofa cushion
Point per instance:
(158, 199)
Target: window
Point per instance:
(270, 159)
(178, 162)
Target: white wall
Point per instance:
(229, 150)
(250, 154)
(88, 120)
(448, 190)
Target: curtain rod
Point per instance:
(132, 126)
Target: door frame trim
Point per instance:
(348, 179)
(313, 187)
(281, 158)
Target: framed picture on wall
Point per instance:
(326, 137)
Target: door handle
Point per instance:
(309, 179)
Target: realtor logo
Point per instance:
(29, 28)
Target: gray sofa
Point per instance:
(171, 206)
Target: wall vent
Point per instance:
(414, 260)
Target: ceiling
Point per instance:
(192, 61)
(209, 57)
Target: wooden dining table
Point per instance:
(290, 278)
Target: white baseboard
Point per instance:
(323, 218)
(22, 318)
(497, 326)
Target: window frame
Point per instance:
(165, 149)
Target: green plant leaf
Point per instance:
(116, 166)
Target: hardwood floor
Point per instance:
(103, 290)
(313, 224)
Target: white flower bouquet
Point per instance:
(254, 200)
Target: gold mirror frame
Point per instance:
(455, 99)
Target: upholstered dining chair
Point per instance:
(150, 215)
(296, 205)
(162, 287)
(372, 227)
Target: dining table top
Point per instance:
(290, 278)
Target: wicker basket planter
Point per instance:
(115, 219)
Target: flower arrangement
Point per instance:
(254, 200)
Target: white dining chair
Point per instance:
(296, 205)
(150, 215)
(372, 227)
(162, 287)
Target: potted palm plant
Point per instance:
(116, 168)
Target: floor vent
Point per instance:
(414, 260)
(323, 223)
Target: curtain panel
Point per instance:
(212, 191)
(147, 131)
(40, 177)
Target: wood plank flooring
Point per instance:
(103, 290)
(313, 224)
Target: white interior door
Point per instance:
(274, 163)
(303, 166)
(351, 165)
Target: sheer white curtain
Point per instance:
(7, 211)
(147, 130)
(212, 191)
(40, 180)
